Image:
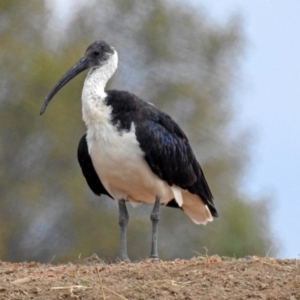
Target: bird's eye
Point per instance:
(96, 53)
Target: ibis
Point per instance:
(132, 151)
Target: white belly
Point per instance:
(120, 164)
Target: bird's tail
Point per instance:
(192, 205)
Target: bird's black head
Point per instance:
(96, 55)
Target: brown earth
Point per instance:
(198, 278)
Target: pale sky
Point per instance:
(270, 104)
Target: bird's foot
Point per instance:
(125, 260)
(154, 257)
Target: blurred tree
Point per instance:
(170, 54)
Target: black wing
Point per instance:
(166, 147)
(169, 155)
(88, 170)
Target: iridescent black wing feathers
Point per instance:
(170, 157)
(166, 147)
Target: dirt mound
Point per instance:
(198, 278)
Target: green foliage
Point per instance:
(170, 55)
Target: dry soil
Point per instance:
(202, 278)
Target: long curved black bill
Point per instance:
(79, 67)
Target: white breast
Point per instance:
(120, 164)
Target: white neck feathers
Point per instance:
(98, 77)
(94, 112)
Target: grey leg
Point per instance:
(155, 218)
(123, 221)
